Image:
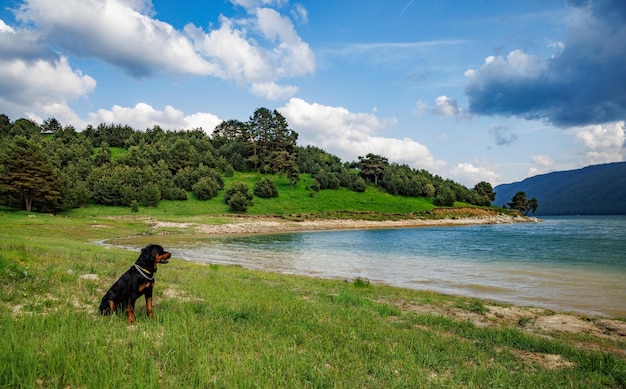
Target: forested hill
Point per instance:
(52, 168)
(593, 190)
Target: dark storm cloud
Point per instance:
(584, 83)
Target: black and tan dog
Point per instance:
(137, 281)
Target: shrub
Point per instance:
(175, 194)
(266, 188)
(315, 185)
(238, 197)
(358, 185)
(238, 202)
(206, 188)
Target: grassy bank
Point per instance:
(223, 326)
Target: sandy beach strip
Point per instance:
(267, 225)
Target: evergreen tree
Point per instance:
(25, 174)
(372, 166)
(523, 205)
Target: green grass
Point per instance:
(292, 201)
(224, 326)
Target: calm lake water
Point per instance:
(562, 263)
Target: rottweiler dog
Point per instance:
(137, 281)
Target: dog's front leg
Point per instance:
(149, 301)
(149, 306)
(130, 309)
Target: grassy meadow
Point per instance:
(226, 327)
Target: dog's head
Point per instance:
(152, 255)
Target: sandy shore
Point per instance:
(265, 225)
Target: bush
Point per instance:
(315, 185)
(358, 185)
(266, 188)
(206, 188)
(239, 202)
(237, 197)
(175, 194)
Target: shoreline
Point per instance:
(269, 225)
(536, 319)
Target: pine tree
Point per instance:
(27, 175)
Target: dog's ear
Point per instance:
(146, 256)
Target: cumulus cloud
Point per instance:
(117, 33)
(41, 87)
(469, 174)
(447, 106)
(502, 135)
(259, 48)
(34, 80)
(143, 116)
(350, 135)
(444, 106)
(605, 143)
(582, 83)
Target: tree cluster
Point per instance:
(50, 167)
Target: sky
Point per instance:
(473, 90)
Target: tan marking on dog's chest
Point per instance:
(143, 287)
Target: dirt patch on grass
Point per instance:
(548, 361)
(534, 320)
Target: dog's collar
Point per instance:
(144, 272)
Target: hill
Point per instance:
(593, 190)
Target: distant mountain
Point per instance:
(593, 190)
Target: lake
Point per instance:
(563, 263)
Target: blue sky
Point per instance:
(490, 90)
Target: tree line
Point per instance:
(51, 167)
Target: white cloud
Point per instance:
(5, 28)
(542, 160)
(42, 87)
(143, 116)
(272, 91)
(259, 48)
(605, 143)
(469, 174)
(294, 57)
(421, 108)
(444, 106)
(251, 4)
(117, 33)
(300, 13)
(350, 135)
(447, 106)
